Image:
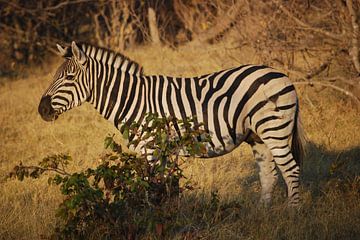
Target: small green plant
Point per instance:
(125, 195)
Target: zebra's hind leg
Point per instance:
(267, 170)
(288, 167)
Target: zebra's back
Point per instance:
(231, 103)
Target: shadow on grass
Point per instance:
(322, 167)
(319, 168)
(330, 206)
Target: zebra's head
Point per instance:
(70, 87)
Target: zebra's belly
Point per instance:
(219, 148)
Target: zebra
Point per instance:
(255, 104)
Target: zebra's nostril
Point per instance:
(45, 109)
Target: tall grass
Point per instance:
(330, 180)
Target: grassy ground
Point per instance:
(331, 179)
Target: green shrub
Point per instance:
(126, 195)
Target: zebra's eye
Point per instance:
(69, 77)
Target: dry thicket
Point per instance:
(310, 39)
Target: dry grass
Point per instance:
(331, 203)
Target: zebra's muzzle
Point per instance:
(45, 109)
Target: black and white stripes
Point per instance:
(250, 103)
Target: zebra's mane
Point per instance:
(113, 58)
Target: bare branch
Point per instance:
(97, 30)
(342, 90)
(139, 23)
(106, 21)
(154, 32)
(223, 22)
(36, 10)
(307, 26)
(65, 3)
(352, 81)
(354, 51)
(324, 65)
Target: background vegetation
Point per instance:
(315, 42)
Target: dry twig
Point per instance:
(195, 15)
(352, 81)
(305, 25)
(320, 83)
(223, 22)
(354, 51)
(324, 65)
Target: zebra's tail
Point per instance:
(298, 140)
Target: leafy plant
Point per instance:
(126, 195)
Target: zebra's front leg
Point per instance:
(267, 171)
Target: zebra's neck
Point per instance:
(114, 83)
(118, 96)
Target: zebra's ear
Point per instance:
(78, 53)
(62, 51)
